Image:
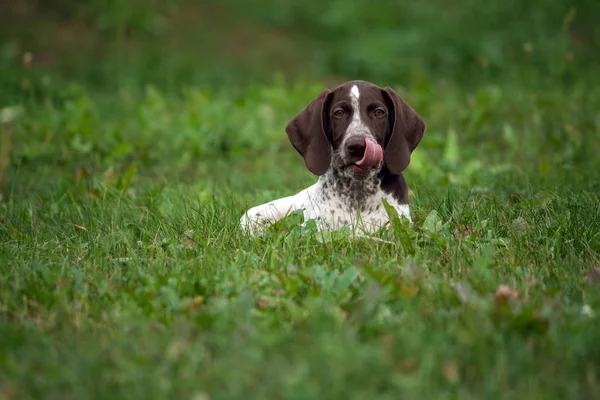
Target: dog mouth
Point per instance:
(371, 159)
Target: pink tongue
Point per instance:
(373, 155)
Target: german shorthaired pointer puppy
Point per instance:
(358, 139)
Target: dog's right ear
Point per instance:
(307, 133)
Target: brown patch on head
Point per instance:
(344, 118)
(358, 110)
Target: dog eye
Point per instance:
(339, 113)
(379, 112)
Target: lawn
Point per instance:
(123, 270)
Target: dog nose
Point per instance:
(356, 146)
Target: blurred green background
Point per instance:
(182, 42)
(511, 84)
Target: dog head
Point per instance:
(357, 128)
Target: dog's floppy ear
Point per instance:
(406, 131)
(307, 133)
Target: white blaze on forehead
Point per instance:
(356, 126)
(354, 92)
(354, 95)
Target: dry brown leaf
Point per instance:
(451, 371)
(83, 228)
(387, 340)
(568, 57)
(261, 303)
(407, 365)
(61, 283)
(196, 302)
(504, 293)
(593, 275)
(27, 59)
(409, 291)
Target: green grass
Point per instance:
(125, 275)
(123, 272)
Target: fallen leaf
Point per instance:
(408, 290)
(387, 340)
(61, 283)
(196, 302)
(505, 293)
(464, 231)
(407, 365)
(261, 303)
(451, 371)
(27, 59)
(514, 198)
(568, 57)
(81, 173)
(593, 275)
(83, 228)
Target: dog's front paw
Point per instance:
(252, 222)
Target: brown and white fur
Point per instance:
(358, 139)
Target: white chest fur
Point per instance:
(329, 208)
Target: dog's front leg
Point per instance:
(258, 218)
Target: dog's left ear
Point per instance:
(406, 131)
